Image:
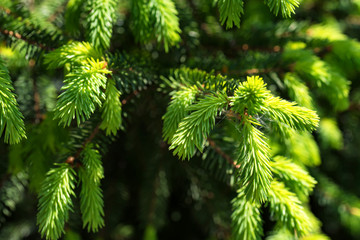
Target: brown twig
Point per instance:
(232, 114)
(19, 36)
(222, 153)
(71, 159)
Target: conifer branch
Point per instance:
(100, 19)
(230, 12)
(91, 200)
(177, 110)
(20, 37)
(286, 208)
(111, 110)
(294, 176)
(156, 18)
(286, 7)
(195, 128)
(11, 119)
(254, 157)
(246, 218)
(55, 201)
(82, 93)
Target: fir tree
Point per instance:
(144, 119)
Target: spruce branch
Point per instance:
(246, 218)
(55, 201)
(74, 53)
(195, 128)
(91, 200)
(230, 12)
(254, 157)
(100, 20)
(156, 18)
(82, 93)
(286, 7)
(294, 176)
(286, 208)
(217, 149)
(298, 90)
(11, 119)
(298, 118)
(177, 110)
(111, 109)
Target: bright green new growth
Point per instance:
(194, 129)
(191, 126)
(254, 157)
(298, 91)
(156, 19)
(309, 67)
(295, 177)
(82, 93)
(11, 119)
(91, 199)
(111, 109)
(250, 96)
(177, 110)
(246, 218)
(330, 134)
(74, 53)
(100, 20)
(286, 208)
(298, 118)
(55, 201)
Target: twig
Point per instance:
(222, 153)
(71, 159)
(19, 36)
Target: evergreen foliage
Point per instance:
(91, 199)
(254, 110)
(55, 201)
(11, 119)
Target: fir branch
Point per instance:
(156, 18)
(294, 176)
(195, 128)
(177, 110)
(246, 218)
(74, 53)
(329, 82)
(298, 91)
(55, 201)
(330, 134)
(254, 157)
(20, 37)
(286, 208)
(91, 200)
(82, 93)
(250, 96)
(111, 109)
(286, 7)
(166, 22)
(35, 37)
(298, 118)
(11, 119)
(72, 13)
(230, 12)
(99, 20)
